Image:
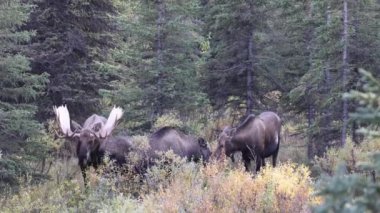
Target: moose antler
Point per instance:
(114, 116)
(59, 135)
(63, 117)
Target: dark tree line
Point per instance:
(71, 43)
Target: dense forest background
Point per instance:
(201, 60)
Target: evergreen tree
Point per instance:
(368, 111)
(21, 136)
(159, 60)
(357, 192)
(71, 44)
(243, 61)
(318, 91)
(295, 26)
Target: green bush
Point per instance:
(169, 119)
(345, 192)
(355, 187)
(193, 124)
(350, 155)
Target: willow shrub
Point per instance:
(350, 156)
(215, 188)
(177, 187)
(169, 119)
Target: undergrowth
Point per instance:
(174, 187)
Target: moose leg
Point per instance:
(83, 169)
(232, 156)
(258, 163)
(247, 160)
(263, 162)
(275, 157)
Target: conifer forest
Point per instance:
(190, 106)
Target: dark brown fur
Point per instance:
(117, 148)
(91, 150)
(256, 137)
(186, 146)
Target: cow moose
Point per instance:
(185, 146)
(93, 139)
(256, 137)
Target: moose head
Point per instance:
(89, 136)
(204, 149)
(224, 140)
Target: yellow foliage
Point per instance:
(178, 186)
(186, 187)
(287, 188)
(350, 155)
(169, 119)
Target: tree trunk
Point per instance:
(310, 121)
(327, 73)
(250, 74)
(310, 110)
(345, 67)
(355, 59)
(327, 110)
(355, 137)
(160, 8)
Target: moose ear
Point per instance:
(202, 142)
(231, 132)
(97, 126)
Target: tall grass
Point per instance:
(174, 187)
(173, 184)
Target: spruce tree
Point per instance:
(242, 66)
(357, 192)
(159, 60)
(21, 135)
(318, 92)
(72, 43)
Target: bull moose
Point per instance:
(185, 146)
(255, 137)
(93, 139)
